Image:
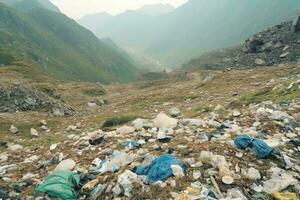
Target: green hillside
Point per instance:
(59, 46)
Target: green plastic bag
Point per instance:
(60, 185)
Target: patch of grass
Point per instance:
(205, 109)
(94, 92)
(118, 120)
(278, 95)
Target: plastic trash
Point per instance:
(3, 194)
(160, 168)
(131, 144)
(261, 149)
(126, 180)
(235, 194)
(118, 160)
(97, 191)
(279, 181)
(284, 196)
(60, 185)
(218, 162)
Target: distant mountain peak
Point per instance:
(156, 9)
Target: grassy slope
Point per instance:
(59, 46)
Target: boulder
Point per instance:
(164, 121)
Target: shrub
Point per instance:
(118, 120)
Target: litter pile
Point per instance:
(252, 153)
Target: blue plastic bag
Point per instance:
(160, 168)
(260, 148)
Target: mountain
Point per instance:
(276, 45)
(57, 45)
(30, 4)
(196, 27)
(93, 21)
(156, 9)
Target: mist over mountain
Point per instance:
(31, 4)
(51, 42)
(194, 28)
(93, 21)
(156, 9)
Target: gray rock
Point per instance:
(284, 55)
(34, 132)
(174, 112)
(260, 62)
(13, 129)
(164, 121)
(15, 147)
(66, 165)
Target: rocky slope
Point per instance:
(277, 45)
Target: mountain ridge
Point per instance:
(200, 26)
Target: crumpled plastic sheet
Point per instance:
(160, 168)
(60, 184)
(261, 149)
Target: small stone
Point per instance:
(13, 129)
(177, 171)
(15, 147)
(260, 62)
(174, 112)
(3, 158)
(43, 122)
(34, 132)
(53, 146)
(236, 113)
(92, 105)
(124, 130)
(71, 128)
(284, 55)
(66, 165)
(31, 159)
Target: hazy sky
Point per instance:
(78, 8)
